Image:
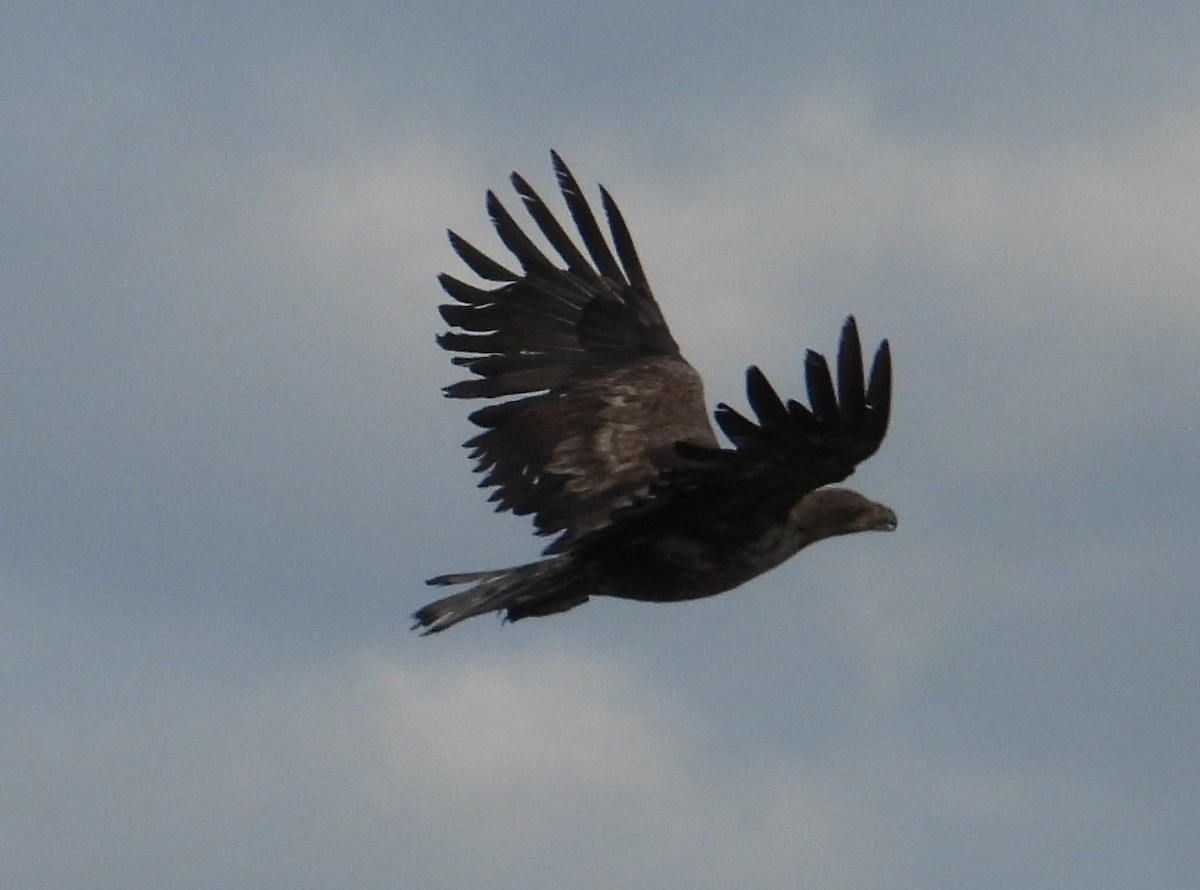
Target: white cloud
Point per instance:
(516, 772)
(444, 770)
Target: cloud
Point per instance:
(228, 466)
(445, 769)
(517, 771)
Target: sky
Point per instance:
(228, 466)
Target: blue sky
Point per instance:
(228, 466)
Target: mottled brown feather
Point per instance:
(603, 394)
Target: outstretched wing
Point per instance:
(822, 443)
(786, 452)
(601, 393)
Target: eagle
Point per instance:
(597, 428)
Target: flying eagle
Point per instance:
(603, 436)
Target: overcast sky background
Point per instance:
(227, 466)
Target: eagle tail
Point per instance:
(537, 588)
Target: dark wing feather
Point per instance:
(821, 395)
(822, 444)
(585, 222)
(602, 394)
(532, 260)
(555, 233)
(879, 396)
(480, 263)
(624, 242)
(786, 452)
(764, 401)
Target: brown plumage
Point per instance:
(604, 438)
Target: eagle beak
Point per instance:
(884, 519)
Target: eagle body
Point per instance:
(678, 564)
(598, 429)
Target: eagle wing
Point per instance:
(597, 394)
(808, 447)
(787, 451)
